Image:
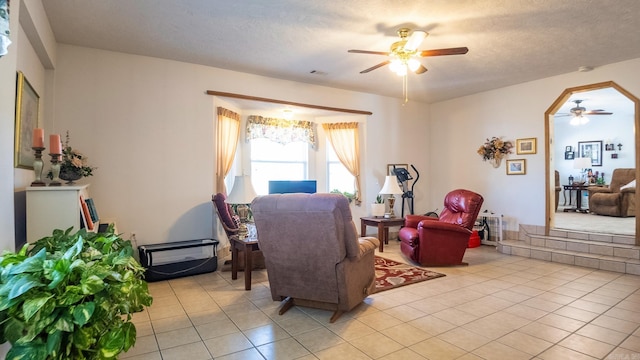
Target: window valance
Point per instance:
(281, 131)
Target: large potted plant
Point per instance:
(71, 296)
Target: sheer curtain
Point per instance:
(227, 135)
(343, 137)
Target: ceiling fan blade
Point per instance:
(596, 112)
(421, 70)
(414, 40)
(440, 52)
(369, 52)
(375, 67)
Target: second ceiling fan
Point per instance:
(404, 53)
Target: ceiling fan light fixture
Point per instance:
(575, 121)
(413, 64)
(415, 40)
(583, 119)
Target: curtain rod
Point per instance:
(255, 98)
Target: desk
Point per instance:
(383, 225)
(578, 189)
(248, 245)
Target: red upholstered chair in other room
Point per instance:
(231, 223)
(442, 241)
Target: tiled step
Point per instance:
(621, 258)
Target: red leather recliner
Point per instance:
(442, 241)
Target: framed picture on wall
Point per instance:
(568, 149)
(526, 146)
(568, 155)
(27, 107)
(592, 150)
(516, 167)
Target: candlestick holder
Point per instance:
(38, 164)
(55, 170)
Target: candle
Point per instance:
(55, 144)
(38, 137)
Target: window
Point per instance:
(338, 177)
(274, 161)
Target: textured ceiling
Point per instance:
(509, 41)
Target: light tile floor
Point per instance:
(498, 307)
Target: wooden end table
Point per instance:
(248, 245)
(383, 225)
(578, 189)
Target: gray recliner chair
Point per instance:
(313, 253)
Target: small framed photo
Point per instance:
(569, 155)
(516, 167)
(568, 149)
(614, 156)
(526, 146)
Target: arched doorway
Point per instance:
(549, 143)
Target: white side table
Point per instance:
(498, 220)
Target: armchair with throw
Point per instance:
(313, 254)
(619, 199)
(442, 241)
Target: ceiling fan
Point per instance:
(580, 110)
(403, 54)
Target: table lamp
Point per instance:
(582, 163)
(391, 188)
(242, 195)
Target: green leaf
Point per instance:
(32, 306)
(21, 283)
(74, 250)
(130, 335)
(30, 264)
(112, 343)
(91, 285)
(36, 351)
(83, 312)
(64, 323)
(53, 343)
(84, 338)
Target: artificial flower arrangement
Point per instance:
(495, 148)
(73, 162)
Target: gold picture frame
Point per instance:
(526, 146)
(27, 108)
(516, 167)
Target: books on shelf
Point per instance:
(92, 210)
(85, 214)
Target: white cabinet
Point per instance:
(54, 207)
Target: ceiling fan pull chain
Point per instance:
(405, 91)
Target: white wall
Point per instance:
(148, 126)
(460, 126)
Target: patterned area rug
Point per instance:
(391, 274)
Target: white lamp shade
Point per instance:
(242, 192)
(390, 186)
(582, 163)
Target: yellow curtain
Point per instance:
(343, 137)
(227, 135)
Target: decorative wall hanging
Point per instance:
(494, 149)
